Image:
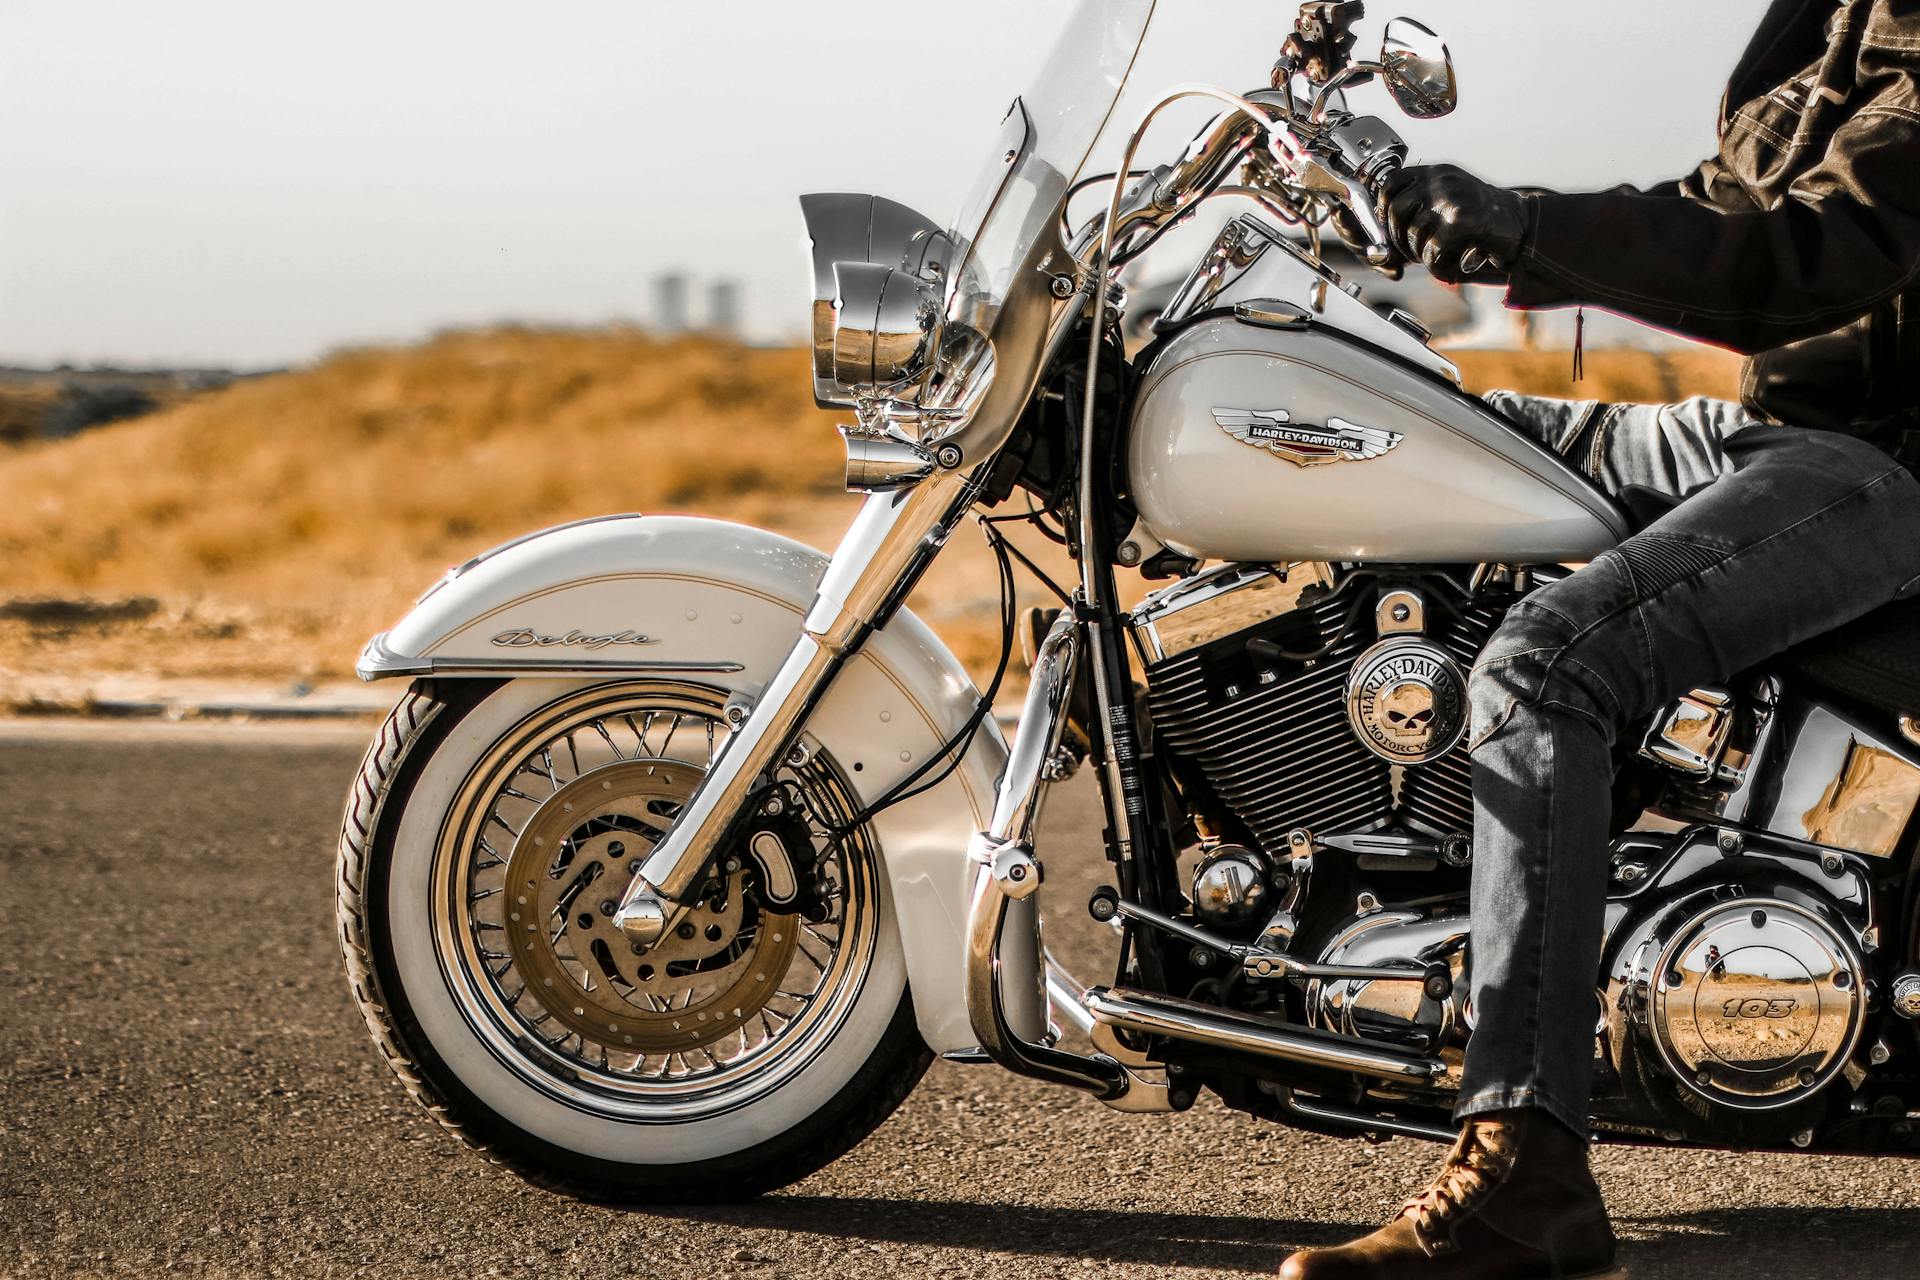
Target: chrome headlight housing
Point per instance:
(879, 296)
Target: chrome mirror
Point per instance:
(1418, 70)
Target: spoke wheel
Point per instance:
(697, 986)
(551, 824)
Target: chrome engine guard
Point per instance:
(1009, 976)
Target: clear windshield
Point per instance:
(1051, 128)
(1016, 199)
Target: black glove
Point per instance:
(1436, 214)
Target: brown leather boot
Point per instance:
(1514, 1201)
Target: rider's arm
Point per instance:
(1845, 239)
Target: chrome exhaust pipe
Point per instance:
(1147, 1013)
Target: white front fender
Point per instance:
(721, 604)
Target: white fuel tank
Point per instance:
(1252, 442)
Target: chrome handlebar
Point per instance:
(1308, 162)
(1169, 190)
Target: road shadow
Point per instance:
(1832, 1244)
(1839, 1243)
(1225, 1242)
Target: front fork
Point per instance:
(877, 563)
(1009, 978)
(891, 542)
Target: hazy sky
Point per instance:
(254, 182)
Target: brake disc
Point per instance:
(564, 877)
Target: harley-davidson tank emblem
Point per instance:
(528, 638)
(1406, 699)
(1305, 446)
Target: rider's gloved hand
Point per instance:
(1437, 213)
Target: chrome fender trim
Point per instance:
(720, 604)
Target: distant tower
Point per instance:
(723, 307)
(670, 302)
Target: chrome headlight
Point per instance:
(885, 321)
(879, 292)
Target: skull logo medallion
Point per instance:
(1406, 699)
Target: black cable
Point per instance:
(1038, 514)
(1057, 538)
(1059, 592)
(954, 748)
(905, 789)
(1066, 222)
(1269, 649)
(1032, 516)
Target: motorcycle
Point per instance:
(688, 848)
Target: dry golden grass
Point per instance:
(283, 520)
(1610, 375)
(280, 522)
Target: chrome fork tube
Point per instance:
(875, 565)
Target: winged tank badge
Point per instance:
(1305, 446)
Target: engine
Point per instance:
(1313, 703)
(1326, 712)
(1727, 1007)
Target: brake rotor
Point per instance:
(569, 865)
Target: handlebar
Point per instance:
(1296, 163)
(1346, 159)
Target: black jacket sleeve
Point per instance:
(1845, 238)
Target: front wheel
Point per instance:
(488, 836)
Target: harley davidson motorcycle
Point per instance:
(689, 847)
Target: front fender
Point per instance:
(721, 604)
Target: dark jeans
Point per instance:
(1751, 539)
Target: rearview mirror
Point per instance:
(1418, 70)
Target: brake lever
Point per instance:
(1379, 250)
(1357, 194)
(1348, 159)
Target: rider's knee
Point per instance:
(1532, 663)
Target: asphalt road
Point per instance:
(185, 1087)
